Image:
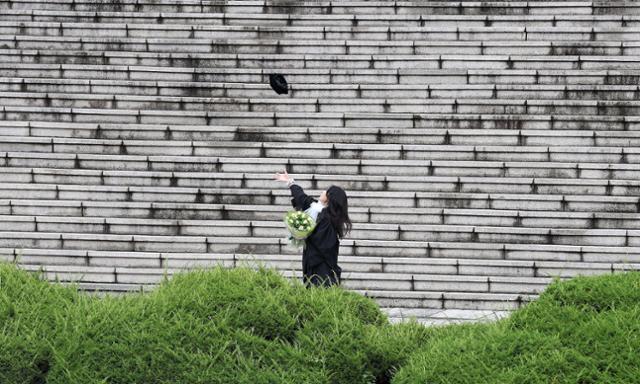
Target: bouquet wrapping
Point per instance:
(300, 226)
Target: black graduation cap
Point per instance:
(279, 83)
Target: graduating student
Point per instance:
(320, 255)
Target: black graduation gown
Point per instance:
(320, 255)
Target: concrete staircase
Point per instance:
(486, 147)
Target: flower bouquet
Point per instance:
(300, 225)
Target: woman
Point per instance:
(320, 255)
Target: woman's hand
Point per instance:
(282, 176)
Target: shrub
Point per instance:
(580, 331)
(213, 326)
(245, 326)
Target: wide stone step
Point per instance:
(107, 272)
(350, 280)
(390, 33)
(504, 129)
(333, 8)
(282, 262)
(582, 44)
(466, 132)
(529, 145)
(209, 20)
(438, 317)
(620, 257)
(360, 231)
(349, 264)
(323, 150)
(500, 201)
(274, 149)
(286, 62)
(345, 167)
(323, 105)
(415, 303)
(324, 76)
(373, 215)
(388, 183)
(600, 18)
(332, 91)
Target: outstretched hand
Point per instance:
(282, 176)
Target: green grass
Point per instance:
(245, 326)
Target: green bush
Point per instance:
(214, 326)
(585, 330)
(245, 326)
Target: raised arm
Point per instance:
(300, 200)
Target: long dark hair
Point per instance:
(338, 210)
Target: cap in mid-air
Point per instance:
(278, 83)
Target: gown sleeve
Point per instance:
(300, 201)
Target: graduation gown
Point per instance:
(320, 255)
